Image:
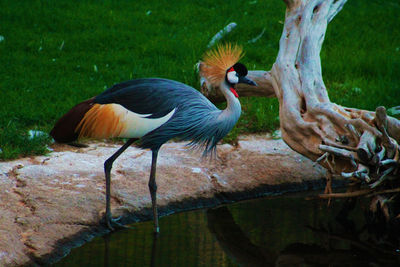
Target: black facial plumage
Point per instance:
(240, 69)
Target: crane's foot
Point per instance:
(113, 224)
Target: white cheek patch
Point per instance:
(232, 78)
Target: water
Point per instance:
(279, 231)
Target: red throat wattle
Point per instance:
(234, 92)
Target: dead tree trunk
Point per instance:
(356, 144)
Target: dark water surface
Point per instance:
(277, 231)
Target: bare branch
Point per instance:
(335, 8)
(386, 191)
(366, 146)
(353, 132)
(361, 173)
(383, 177)
(291, 3)
(387, 162)
(393, 128)
(339, 152)
(322, 157)
(377, 158)
(347, 194)
(382, 124)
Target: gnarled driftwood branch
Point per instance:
(351, 142)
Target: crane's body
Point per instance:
(153, 110)
(176, 111)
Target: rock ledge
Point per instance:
(49, 204)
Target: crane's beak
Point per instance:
(244, 79)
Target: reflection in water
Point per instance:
(281, 231)
(154, 250)
(234, 241)
(344, 247)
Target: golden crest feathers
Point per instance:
(217, 61)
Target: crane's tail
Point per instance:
(64, 130)
(93, 120)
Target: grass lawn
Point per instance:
(54, 54)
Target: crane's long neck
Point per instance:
(233, 109)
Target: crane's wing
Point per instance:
(135, 108)
(152, 97)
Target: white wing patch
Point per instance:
(143, 115)
(137, 125)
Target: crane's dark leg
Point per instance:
(107, 170)
(153, 189)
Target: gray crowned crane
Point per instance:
(154, 110)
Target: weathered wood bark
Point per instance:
(356, 144)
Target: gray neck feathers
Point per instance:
(201, 122)
(233, 109)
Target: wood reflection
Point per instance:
(234, 241)
(341, 244)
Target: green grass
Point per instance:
(58, 53)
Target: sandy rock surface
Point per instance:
(51, 203)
